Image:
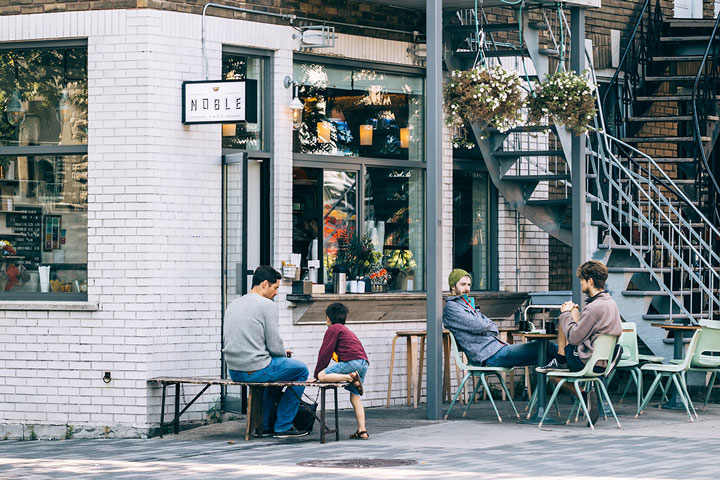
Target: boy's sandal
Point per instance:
(355, 382)
(360, 435)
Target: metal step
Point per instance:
(493, 27)
(655, 293)
(677, 58)
(605, 246)
(637, 270)
(524, 128)
(666, 159)
(528, 153)
(671, 78)
(699, 38)
(662, 139)
(557, 202)
(667, 98)
(671, 316)
(671, 118)
(506, 53)
(690, 23)
(534, 178)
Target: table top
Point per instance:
(415, 333)
(508, 329)
(676, 326)
(538, 335)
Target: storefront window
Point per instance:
(43, 197)
(359, 112)
(245, 136)
(395, 223)
(470, 225)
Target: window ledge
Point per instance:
(51, 306)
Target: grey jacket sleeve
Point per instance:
(273, 341)
(457, 317)
(576, 333)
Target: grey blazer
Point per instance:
(475, 334)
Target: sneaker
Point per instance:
(594, 413)
(292, 433)
(265, 433)
(553, 365)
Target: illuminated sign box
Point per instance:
(218, 101)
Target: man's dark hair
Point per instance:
(595, 270)
(265, 272)
(337, 313)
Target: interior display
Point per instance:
(245, 135)
(471, 238)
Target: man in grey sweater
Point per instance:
(254, 351)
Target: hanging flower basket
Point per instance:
(491, 96)
(565, 96)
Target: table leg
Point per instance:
(504, 338)
(392, 361)
(446, 369)
(337, 423)
(322, 417)
(162, 411)
(418, 381)
(541, 391)
(176, 427)
(411, 354)
(673, 402)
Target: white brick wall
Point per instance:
(154, 229)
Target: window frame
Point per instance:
(39, 150)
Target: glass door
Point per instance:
(246, 237)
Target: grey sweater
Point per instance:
(600, 315)
(475, 334)
(251, 334)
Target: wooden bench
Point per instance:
(255, 401)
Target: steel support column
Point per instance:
(579, 164)
(434, 128)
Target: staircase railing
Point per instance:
(643, 43)
(660, 226)
(704, 103)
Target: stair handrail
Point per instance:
(605, 153)
(710, 80)
(646, 42)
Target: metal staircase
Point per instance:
(654, 220)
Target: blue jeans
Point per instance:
(280, 368)
(520, 355)
(359, 366)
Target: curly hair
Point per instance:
(595, 270)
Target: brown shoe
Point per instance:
(355, 382)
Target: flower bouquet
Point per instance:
(6, 248)
(378, 279)
(492, 96)
(565, 96)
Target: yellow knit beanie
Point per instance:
(456, 275)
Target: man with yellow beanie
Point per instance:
(477, 335)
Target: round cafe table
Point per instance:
(678, 351)
(542, 339)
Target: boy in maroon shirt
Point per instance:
(352, 362)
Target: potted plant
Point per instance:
(362, 256)
(491, 96)
(566, 97)
(342, 260)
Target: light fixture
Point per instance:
(296, 105)
(229, 129)
(15, 110)
(63, 106)
(366, 134)
(404, 137)
(323, 131)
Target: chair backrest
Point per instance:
(603, 349)
(456, 352)
(707, 352)
(691, 349)
(628, 341)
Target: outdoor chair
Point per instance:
(675, 372)
(629, 361)
(707, 354)
(474, 371)
(603, 351)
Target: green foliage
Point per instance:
(565, 96)
(489, 95)
(33, 435)
(69, 432)
(214, 413)
(361, 256)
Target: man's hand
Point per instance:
(567, 306)
(288, 352)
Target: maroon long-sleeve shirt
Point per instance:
(339, 339)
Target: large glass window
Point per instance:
(43, 173)
(359, 112)
(471, 210)
(244, 135)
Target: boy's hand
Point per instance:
(288, 352)
(311, 380)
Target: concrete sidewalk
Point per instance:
(661, 444)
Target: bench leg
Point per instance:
(177, 409)
(392, 362)
(162, 411)
(337, 423)
(322, 416)
(255, 411)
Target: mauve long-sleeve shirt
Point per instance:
(600, 315)
(339, 339)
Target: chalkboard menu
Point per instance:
(25, 223)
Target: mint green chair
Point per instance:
(474, 371)
(630, 360)
(675, 372)
(707, 354)
(603, 350)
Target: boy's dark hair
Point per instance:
(595, 270)
(337, 313)
(265, 272)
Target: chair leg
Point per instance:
(709, 389)
(683, 384)
(609, 403)
(392, 362)
(681, 394)
(627, 385)
(507, 394)
(639, 383)
(474, 393)
(584, 406)
(649, 394)
(531, 405)
(490, 396)
(457, 394)
(553, 398)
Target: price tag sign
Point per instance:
(313, 263)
